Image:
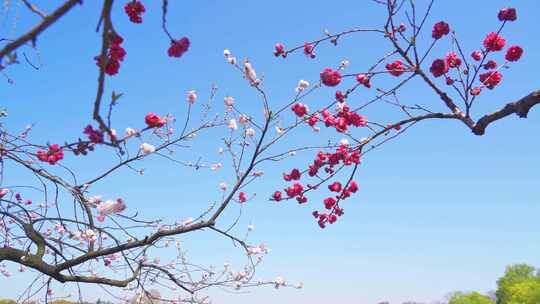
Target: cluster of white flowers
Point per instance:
(259, 249)
(229, 57)
(232, 124)
(279, 282)
(109, 207)
(147, 148)
(229, 102)
(131, 132)
(89, 235)
(302, 85)
(250, 132)
(250, 73)
(215, 167)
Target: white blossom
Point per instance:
(232, 124)
(191, 96)
(250, 132)
(130, 132)
(215, 167)
(243, 119)
(302, 84)
(147, 148)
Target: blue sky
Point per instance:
(439, 209)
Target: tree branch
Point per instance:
(33, 33)
(520, 107)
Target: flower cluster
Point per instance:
(95, 136)
(343, 119)
(154, 121)
(395, 68)
(327, 162)
(109, 207)
(362, 79)
(440, 29)
(114, 55)
(309, 50)
(330, 77)
(53, 154)
(178, 47)
(279, 50)
(134, 9)
(493, 42)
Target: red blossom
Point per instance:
(112, 67)
(440, 29)
(476, 91)
(340, 96)
(299, 109)
(491, 64)
(335, 187)
(308, 49)
(439, 67)
(94, 135)
(364, 80)
(494, 42)
(154, 121)
(491, 79)
(329, 202)
(134, 9)
(477, 55)
(513, 53)
(395, 68)
(53, 154)
(452, 60)
(277, 196)
(507, 14)
(330, 77)
(279, 50)
(178, 47)
(242, 198)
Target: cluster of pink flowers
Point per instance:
(362, 79)
(134, 9)
(343, 119)
(330, 77)
(327, 162)
(493, 42)
(279, 50)
(94, 135)
(178, 47)
(114, 55)
(109, 207)
(440, 29)
(53, 154)
(309, 50)
(395, 68)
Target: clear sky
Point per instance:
(439, 209)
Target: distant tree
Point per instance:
(526, 292)
(516, 283)
(469, 298)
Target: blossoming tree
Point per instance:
(55, 226)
